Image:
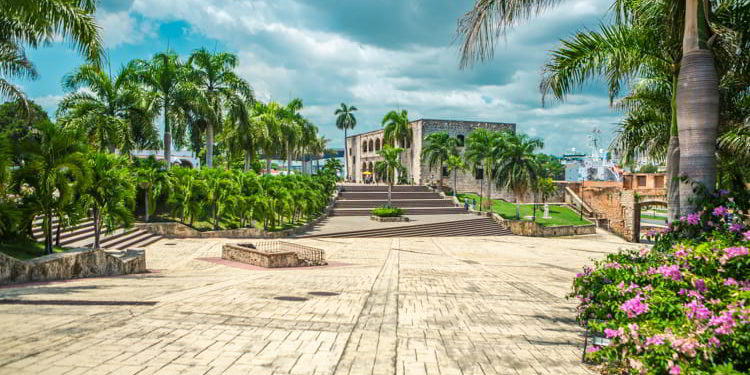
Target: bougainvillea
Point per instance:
(680, 307)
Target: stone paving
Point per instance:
(479, 305)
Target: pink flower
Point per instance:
(634, 306)
(614, 265)
(670, 272)
(612, 333)
(694, 219)
(697, 311)
(654, 340)
(593, 349)
(714, 342)
(725, 323)
(674, 370)
(736, 227)
(720, 211)
(732, 252)
(685, 346)
(730, 281)
(700, 285)
(746, 235)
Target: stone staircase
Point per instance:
(359, 200)
(82, 235)
(461, 228)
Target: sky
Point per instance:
(378, 55)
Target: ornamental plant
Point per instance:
(388, 211)
(680, 307)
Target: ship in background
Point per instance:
(596, 166)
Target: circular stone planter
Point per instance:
(393, 219)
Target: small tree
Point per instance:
(389, 166)
(112, 193)
(519, 171)
(438, 147)
(454, 163)
(152, 178)
(54, 168)
(220, 187)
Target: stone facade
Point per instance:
(72, 264)
(363, 155)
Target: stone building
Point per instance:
(363, 148)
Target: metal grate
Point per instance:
(309, 256)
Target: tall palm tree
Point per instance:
(389, 167)
(454, 164)
(213, 74)
(291, 128)
(437, 148)
(269, 118)
(345, 120)
(243, 132)
(108, 111)
(167, 79)
(697, 97)
(397, 131)
(54, 167)
(518, 168)
(38, 22)
(485, 148)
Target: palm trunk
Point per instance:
(146, 196)
(518, 208)
(455, 183)
(673, 162)
(346, 157)
(481, 193)
(489, 187)
(441, 175)
(47, 233)
(97, 227)
(213, 215)
(390, 185)
(209, 145)
(268, 165)
(167, 138)
(697, 107)
(247, 161)
(57, 233)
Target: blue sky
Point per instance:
(377, 55)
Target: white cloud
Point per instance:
(123, 28)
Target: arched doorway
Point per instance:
(648, 214)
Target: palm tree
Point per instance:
(697, 96)
(485, 148)
(167, 78)
(104, 111)
(152, 177)
(182, 195)
(220, 186)
(112, 193)
(397, 131)
(269, 119)
(518, 169)
(213, 74)
(345, 120)
(437, 148)
(291, 128)
(389, 166)
(455, 163)
(38, 22)
(54, 167)
(244, 131)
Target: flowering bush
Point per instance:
(680, 307)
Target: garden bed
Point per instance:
(389, 219)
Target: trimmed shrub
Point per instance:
(387, 211)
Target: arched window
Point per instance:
(364, 146)
(460, 139)
(369, 167)
(408, 143)
(371, 146)
(377, 144)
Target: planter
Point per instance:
(274, 254)
(392, 219)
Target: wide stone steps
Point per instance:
(82, 235)
(407, 211)
(359, 196)
(396, 203)
(379, 188)
(462, 228)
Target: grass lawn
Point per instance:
(653, 217)
(561, 215)
(25, 249)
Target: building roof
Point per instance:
(438, 120)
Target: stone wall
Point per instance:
(72, 264)
(532, 229)
(244, 254)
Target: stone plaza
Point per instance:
(459, 305)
